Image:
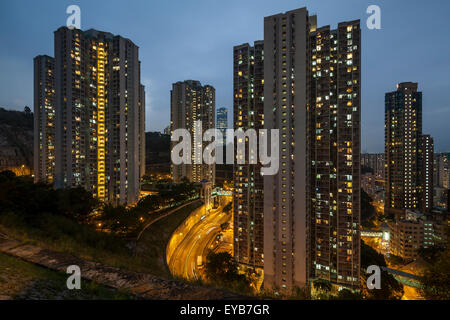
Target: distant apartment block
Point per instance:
(44, 119)
(99, 114)
(191, 102)
(222, 123)
(403, 148)
(167, 130)
(374, 161)
(368, 183)
(442, 170)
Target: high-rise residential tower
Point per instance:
(100, 114)
(403, 148)
(141, 130)
(333, 153)
(222, 122)
(427, 176)
(248, 184)
(312, 206)
(192, 102)
(44, 119)
(285, 106)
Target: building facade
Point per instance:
(100, 114)
(285, 106)
(334, 150)
(406, 238)
(427, 176)
(403, 148)
(192, 102)
(44, 119)
(312, 206)
(413, 232)
(248, 184)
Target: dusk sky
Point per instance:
(194, 39)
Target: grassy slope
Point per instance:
(60, 234)
(22, 280)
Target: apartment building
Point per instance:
(248, 183)
(99, 114)
(312, 94)
(403, 148)
(44, 119)
(192, 102)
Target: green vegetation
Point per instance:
(16, 134)
(396, 261)
(368, 212)
(19, 119)
(19, 195)
(391, 289)
(436, 278)
(322, 285)
(346, 294)
(222, 271)
(129, 221)
(28, 200)
(228, 207)
(431, 254)
(61, 220)
(22, 280)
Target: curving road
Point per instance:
(193, 239)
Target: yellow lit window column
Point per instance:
(101, 61)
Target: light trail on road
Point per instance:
(193, 239)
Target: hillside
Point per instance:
(157, 152)
(16, 141)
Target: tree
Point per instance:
(301, 293)
(30, 200)
(346, 294)
(224, 226)
(221, 269)
(228, 207)
(370, 256)
(431, 254)
(391, 289)
(112, 217)
(436, 279)
(368, 211)
(76, 203)
(322, 285)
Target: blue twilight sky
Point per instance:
(181, 39)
